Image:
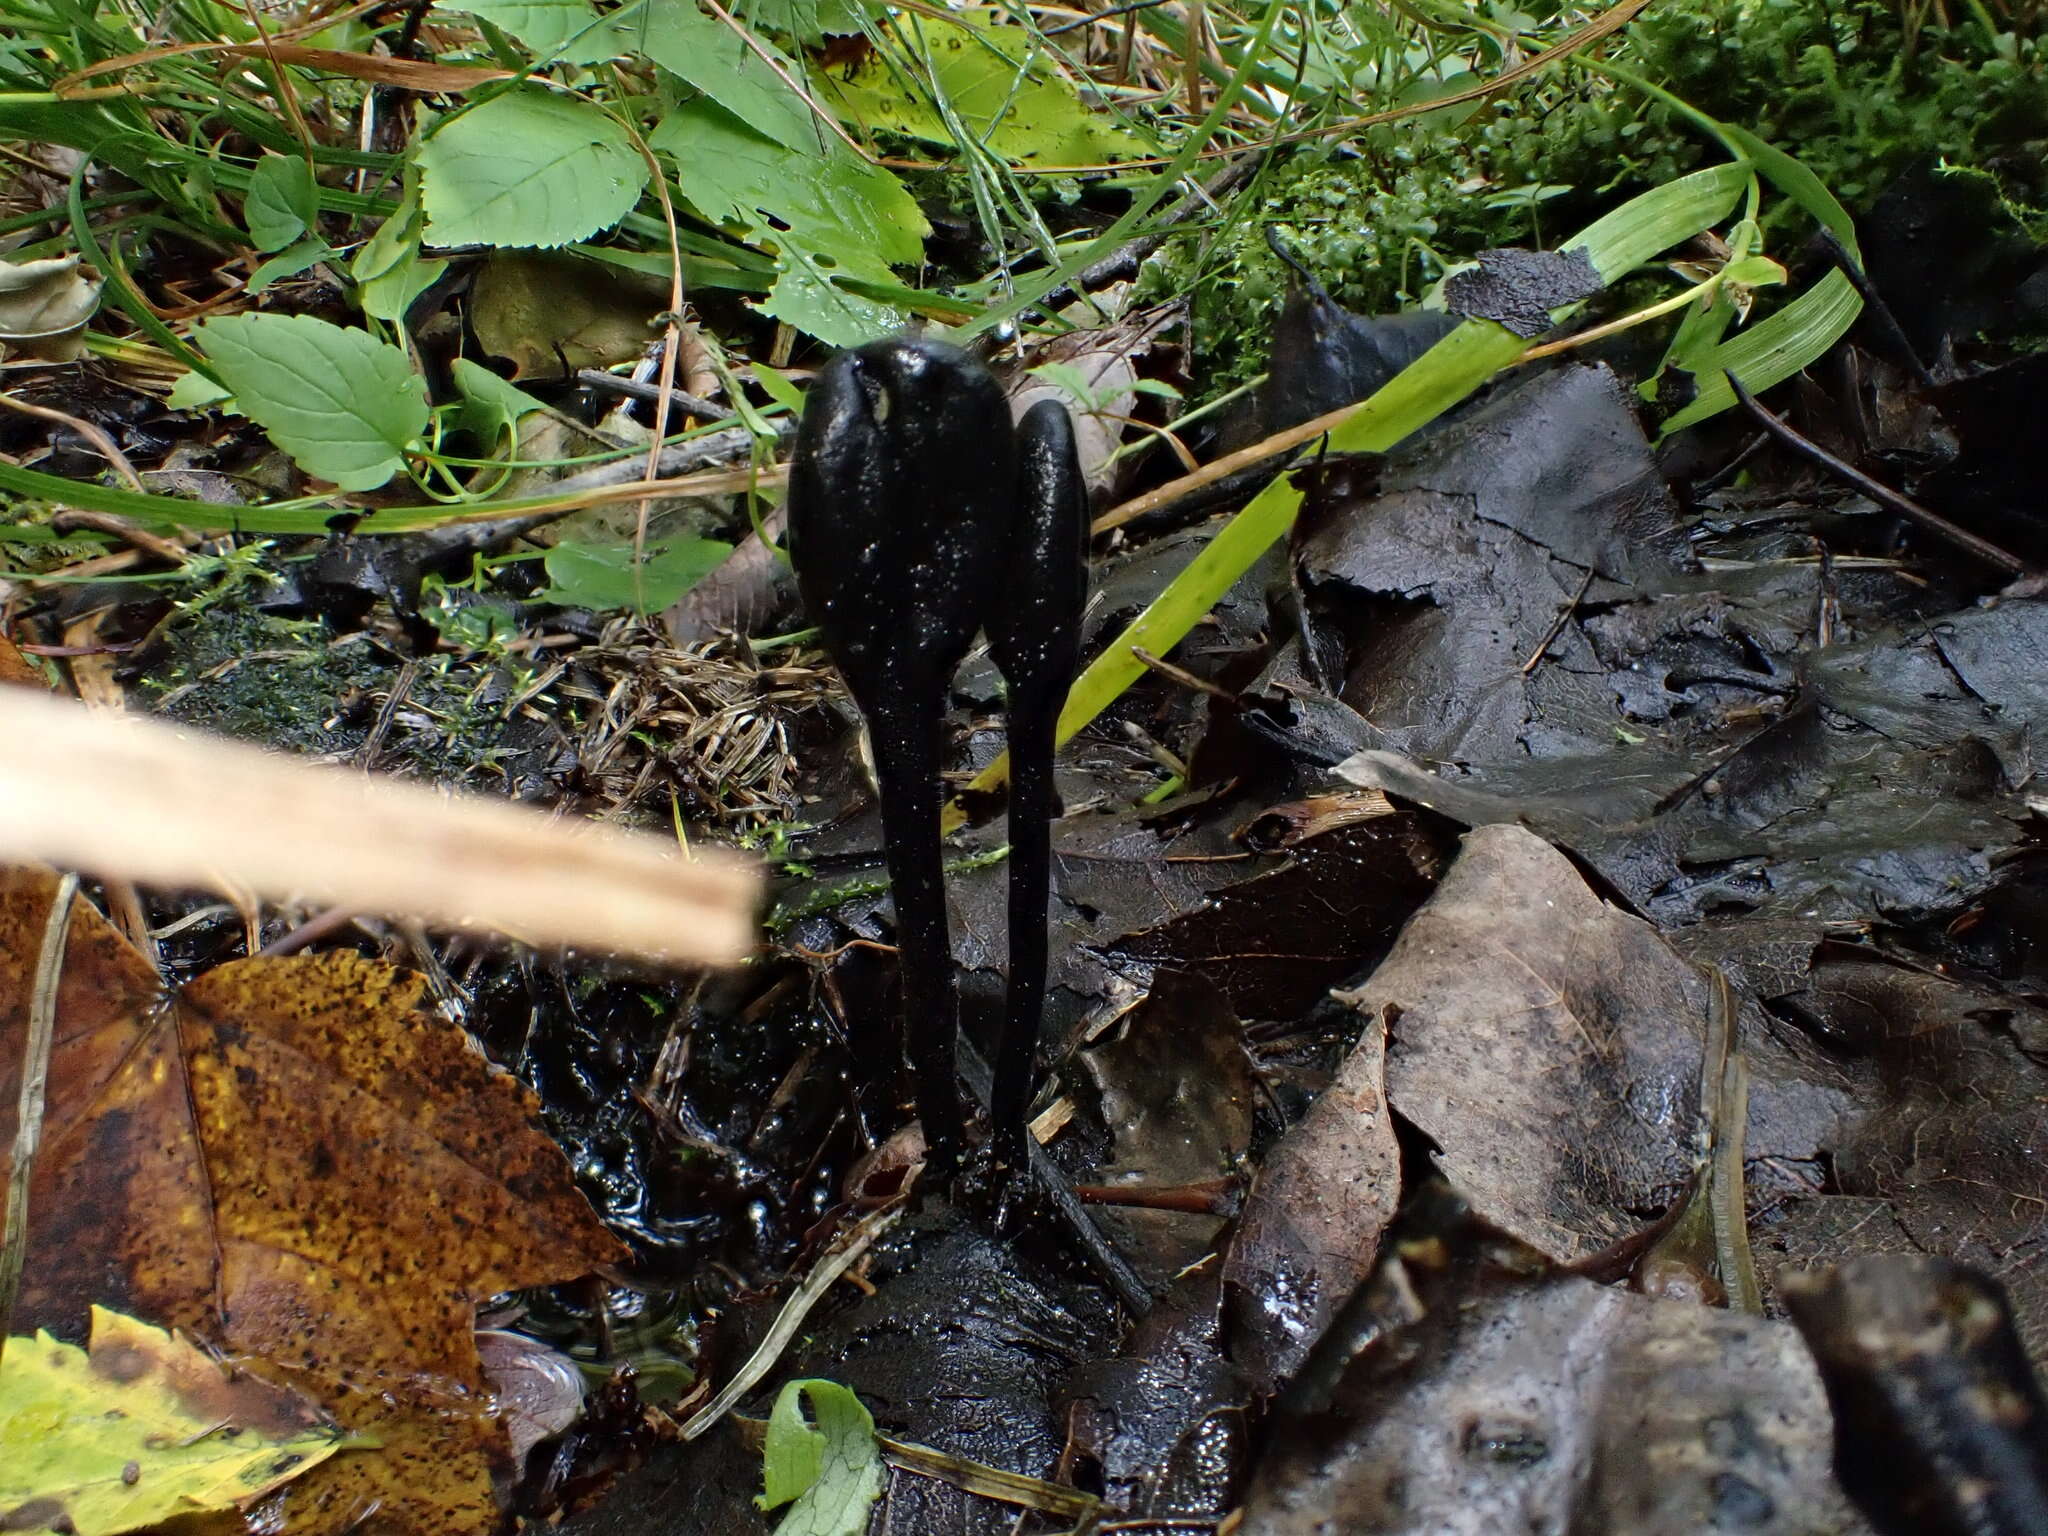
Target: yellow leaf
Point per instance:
(141, 1427)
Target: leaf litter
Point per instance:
(1697, 715)
(285, 1158)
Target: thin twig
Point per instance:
(1875, 306)
(1564, 617)
(84, 429)
(633, 389)
(1878, 492)
(35, 1081)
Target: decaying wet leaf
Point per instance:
(288, 1160)
(552, 314)
(1547, 1043)
(1165, 1421)
(1565, 1406)
(1176, 1093)
(1312, 1224)
(139, 1427)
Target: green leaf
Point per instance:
(553, 29)
(603, 576)
(1801, 185)
(397, 238)
(1772, 350)
(833, 1472)
(491, 405)
(996, 79)
(1753, 272)
(127, 1436)
(194, 391)
(808, 21)
(776, 386)
(344, 405)
(389, 270)
(282, 203)
(528, 168)
(829, 216)
(289, 262)
(708, 54)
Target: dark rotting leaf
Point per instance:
(1939, 1419)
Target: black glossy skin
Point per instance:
(900, 508)
(1034, 635)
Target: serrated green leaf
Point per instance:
(490, 405)
(553, 29)
(714, 58)
(528, 168)
(289, 262)
(806, 297)
(833, 1472)
(808, 21)
(828, 215)
(997, 80)
(396, 239)
(603, 576)
(194, 391)
(344, 405)
(282, 202)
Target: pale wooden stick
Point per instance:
(145, 800)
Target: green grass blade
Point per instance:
(1772, 350)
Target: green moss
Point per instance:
(1840, 83)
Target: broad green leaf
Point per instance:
(194, 391)
(490, 405)
(1772, 350)
(528, 168)
(344, 405)
(828, 215)
(832, 1472)
(128, 1434)
(603, 576)
(553, 29)
(282, 202)
(997, 81)
(390, 294)
(806, 297)
(714, 58)
(389, 270)
(395, 239)
(289, 262)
